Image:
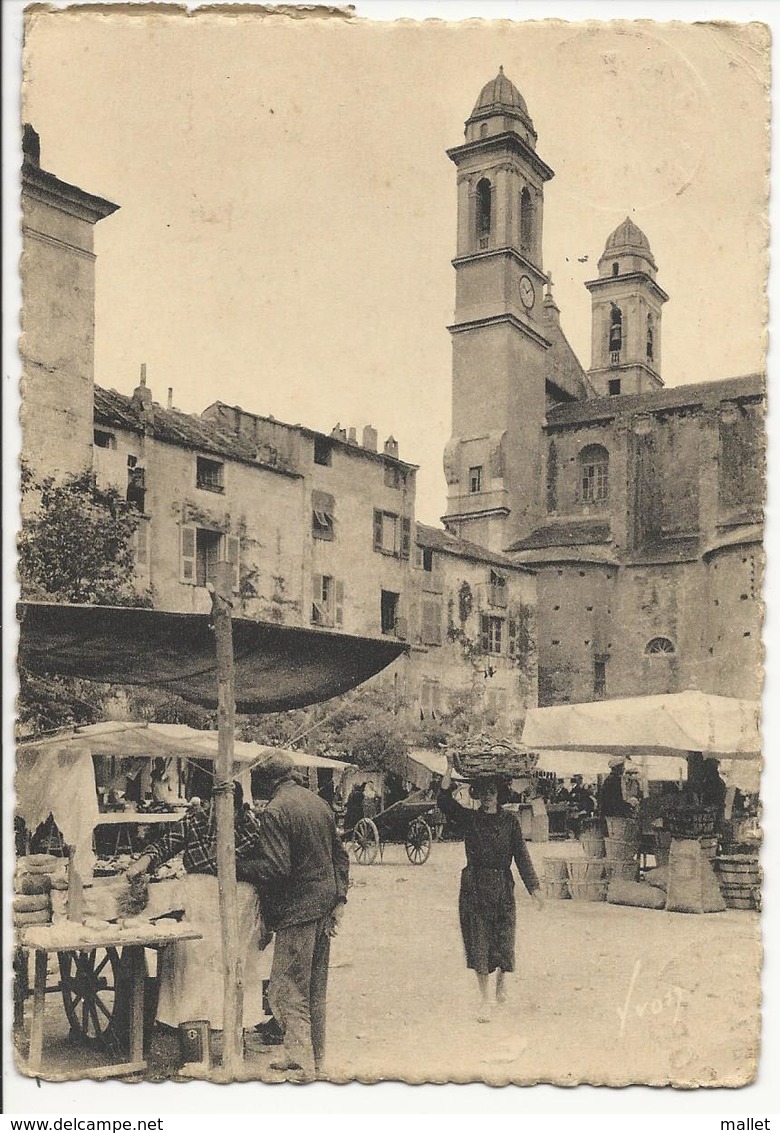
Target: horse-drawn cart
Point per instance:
(410, 823)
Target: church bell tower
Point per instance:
(492, 461)
(626, 309)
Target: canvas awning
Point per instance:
(676, 723)
(133, 740)
(58, 779)
(276, 667)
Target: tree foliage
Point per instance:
(77, 544)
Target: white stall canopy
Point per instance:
(718, 726)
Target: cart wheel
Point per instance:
(89, 992)
(418, 842)
(365, 842)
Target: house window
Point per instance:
(484, 203)
(102, 439)
(600, 678)
(475, 479)
(497, 595)
(322, 450)
(394, 476)
(136, 483)
(491, 633)
(594, 474)
(392, 534)
(201, 549)
(327, 606)
(650, 338)
(657, 646)
(322, 521)
(427, 559)
(389, 612)
(430, 630)
(210, 475)
(614, 387)
(615, 332)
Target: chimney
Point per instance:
(142, 397)
(170, 397)
(31, 145)
(352, 437)
(391, 447)
(370, 438)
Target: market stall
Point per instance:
(704, 730)
(218, 661)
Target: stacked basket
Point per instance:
(485, 758)
(739, 877)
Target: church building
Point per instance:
(640, 506)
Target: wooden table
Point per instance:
(43, 939)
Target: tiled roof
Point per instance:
(117, 410)
(439, 540)
(678, 397)
(568, 533)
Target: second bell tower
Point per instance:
(492, 461)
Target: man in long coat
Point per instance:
(302, 871)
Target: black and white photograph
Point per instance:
(389, 588)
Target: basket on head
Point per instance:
(485, 758)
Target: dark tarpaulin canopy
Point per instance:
(276, 667)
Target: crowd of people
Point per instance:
(292, 871)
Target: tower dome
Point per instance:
(500, 92)
(500, 108)
(628, 243)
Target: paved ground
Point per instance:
(602, 994)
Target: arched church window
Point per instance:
(484, 208)
(483, 130)
(616, 269)
(615, 332)
(658, 646)
(594, 474)
(526, 221)
(650, 338)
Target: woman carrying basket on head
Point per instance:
(493, 839)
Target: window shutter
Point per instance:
(377, 530)
(233, 550)
(406, 538)
(512, 643)
(485, 633)
(339, 609)
(317, 612)
(142, 543)
(431, 623)
(188, 554)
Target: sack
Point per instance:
(658, 877)
(22, 920)
(31, 904)
(692, 886)
(634, 893)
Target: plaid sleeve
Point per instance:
(169, 844)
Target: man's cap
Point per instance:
(274, 765)
(617, 761)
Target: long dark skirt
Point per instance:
(487, 919)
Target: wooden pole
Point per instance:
(224, 789)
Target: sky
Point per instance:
(287, 214)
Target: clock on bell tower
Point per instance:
(492, 461)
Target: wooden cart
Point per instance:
(406, 823)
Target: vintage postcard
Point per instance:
(391, 554)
